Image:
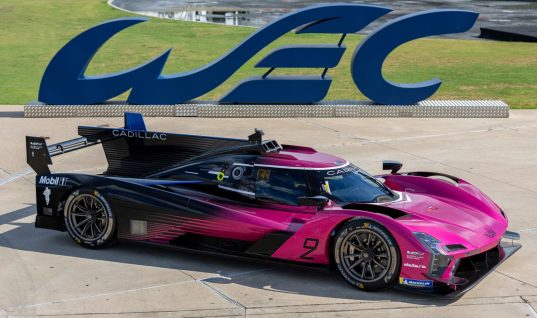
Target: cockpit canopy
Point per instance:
(243, 175)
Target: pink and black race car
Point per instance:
(252, 197)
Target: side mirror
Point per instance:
(392, 165)
(317, 200)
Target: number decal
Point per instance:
(311, 245)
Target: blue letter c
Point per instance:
(366, 65)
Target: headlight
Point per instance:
(439, 260)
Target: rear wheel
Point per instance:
(366, 255)
(89, 219)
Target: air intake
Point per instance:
(455, 247)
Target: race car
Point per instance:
(423, 231)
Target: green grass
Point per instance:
(31, 32)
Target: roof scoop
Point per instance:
(256, 137)
(267, 145)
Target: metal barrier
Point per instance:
(427, 109)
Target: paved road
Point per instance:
(44, 273)
(258, 13)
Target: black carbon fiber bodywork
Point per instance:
(141, 153)
(127, 199)
(153, 204)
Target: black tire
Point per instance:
(89, 219)
(367, 255)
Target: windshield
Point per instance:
(351, 184)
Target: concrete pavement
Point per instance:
(44, 273)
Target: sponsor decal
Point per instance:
(34, 145)
(412, 265)
(415, 282)
(263, 175)
(341, 170)
(490, 233)
(138, 227)
(52, 181)
(139, 134)
(414, 255)
(46, 194)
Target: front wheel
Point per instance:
(366, 255)
(89, 219)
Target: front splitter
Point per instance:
(507, 249)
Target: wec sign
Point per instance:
(64, 81)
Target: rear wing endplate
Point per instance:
(38, 154)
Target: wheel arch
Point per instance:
(337, 228)
(399, 252)
(109, 231)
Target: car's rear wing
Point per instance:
(38, 153)
(133, 151)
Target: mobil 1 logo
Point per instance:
(52, 181)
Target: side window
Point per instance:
(280, 185)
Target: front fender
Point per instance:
(313, 242)
(456, 189)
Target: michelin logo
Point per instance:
(52, 181)
(415, 282)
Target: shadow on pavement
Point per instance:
(257, 274)
(12, 114)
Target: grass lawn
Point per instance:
(31, 32)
